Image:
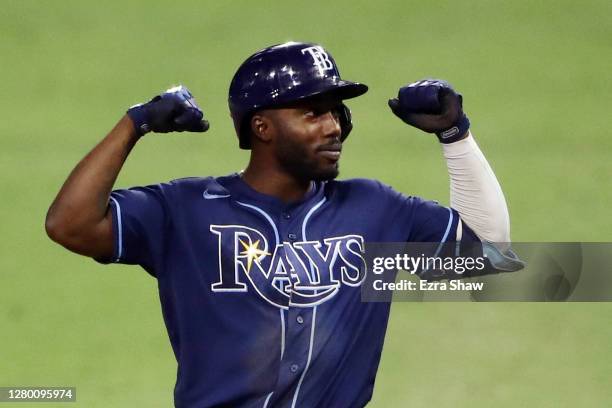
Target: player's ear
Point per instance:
(261, 127)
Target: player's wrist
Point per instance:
(129, 126)
(128, 129)
(140, 119)
(457, 131)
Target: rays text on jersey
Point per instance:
(302, 273)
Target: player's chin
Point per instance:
(313, 170)
(328, 172)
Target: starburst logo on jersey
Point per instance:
(252, 252)
(303, 273)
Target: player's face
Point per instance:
(307, 142)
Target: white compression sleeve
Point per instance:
(475, 192)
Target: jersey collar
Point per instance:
(241, 191)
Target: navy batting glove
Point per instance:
(173, 111)
(433, 106)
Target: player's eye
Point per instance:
(310, 113)
(316, 112)
(336, 112)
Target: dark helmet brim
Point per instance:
(347, 90)
(340, 89)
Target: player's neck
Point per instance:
(274, 182)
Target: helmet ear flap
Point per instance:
(244, 132)
(346, 121)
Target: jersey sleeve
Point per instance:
(433, 222)
(140, 225)
(417, 220)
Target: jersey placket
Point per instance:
(300, 326)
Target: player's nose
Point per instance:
(331, 124)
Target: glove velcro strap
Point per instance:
(456, 131)
(138, 115)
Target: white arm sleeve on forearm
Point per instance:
(475, 192)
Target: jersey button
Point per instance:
(300, 319)
(286, 216)
(292, 237)
(293, 368)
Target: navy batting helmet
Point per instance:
(282, 74)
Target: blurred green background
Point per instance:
(536, 79)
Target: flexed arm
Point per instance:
(434, 107)
(79, 217)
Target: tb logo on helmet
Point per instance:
(320, 58)
(303, 273)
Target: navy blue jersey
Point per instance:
(261, 299)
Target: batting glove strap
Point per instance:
(456, 131)
(138, 114)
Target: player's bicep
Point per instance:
(139, 224)
(101, 242)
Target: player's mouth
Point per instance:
(330, 152)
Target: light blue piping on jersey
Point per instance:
(269, 219)
(120, 232)
(444, 238)
(266, 216)
(265, 405)
(282, 317)
(312, 330)
(282, 312)
(307, 217)
(448, 228)
(314, 309)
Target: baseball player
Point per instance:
(259, 271)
